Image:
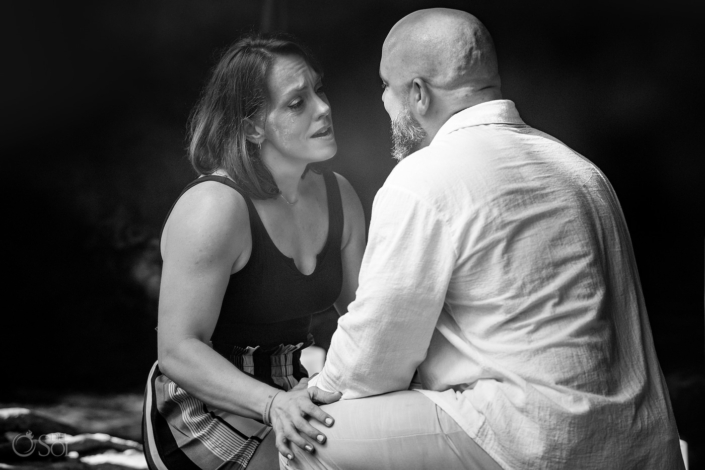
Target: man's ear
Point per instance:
(253, 131)
(420, 97)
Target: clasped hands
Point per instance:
(289, 412)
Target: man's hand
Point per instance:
(289, 412)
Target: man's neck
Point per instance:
(451, 102)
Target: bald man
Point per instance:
(499, 282)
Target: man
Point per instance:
(499, 274)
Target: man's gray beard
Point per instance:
(407, 134)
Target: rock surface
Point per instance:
(77, 432)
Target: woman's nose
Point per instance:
(323, 107)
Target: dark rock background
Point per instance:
(96, 99)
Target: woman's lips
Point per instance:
(323, 133)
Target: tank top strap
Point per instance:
(221, 179)
(335, 209)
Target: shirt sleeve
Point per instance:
(403, 282)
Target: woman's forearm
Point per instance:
(211, 378)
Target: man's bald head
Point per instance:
(449, 49)
(435, 63)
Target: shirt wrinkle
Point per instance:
(429, 207)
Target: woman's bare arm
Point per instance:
(207, 238)
(207, 234)
(353, 244)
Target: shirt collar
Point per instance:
(489, 112)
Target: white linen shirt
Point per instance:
(499, 266)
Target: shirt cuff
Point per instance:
(313, 380)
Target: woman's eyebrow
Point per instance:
(295, 88)
(302, 85)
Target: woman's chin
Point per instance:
(327, 153)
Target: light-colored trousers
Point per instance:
(400, 430)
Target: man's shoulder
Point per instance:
(444, 162)
(419, 171)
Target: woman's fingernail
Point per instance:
(308, 448)
(329, 421)
(321, 438)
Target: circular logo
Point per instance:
(32, 444)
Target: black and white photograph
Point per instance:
(336, 235)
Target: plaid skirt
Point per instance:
(182, 432)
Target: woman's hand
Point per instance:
(289, 412)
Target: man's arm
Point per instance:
(403, 282)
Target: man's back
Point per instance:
(542, 352)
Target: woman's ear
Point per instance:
(420, 98)
(253, 131)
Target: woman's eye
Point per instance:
(296, 104)
(384, 86)
(320, 90)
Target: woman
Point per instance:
(251, 250)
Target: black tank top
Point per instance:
(269, 302)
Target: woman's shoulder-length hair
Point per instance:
(236, 91)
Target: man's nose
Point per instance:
(386, 106)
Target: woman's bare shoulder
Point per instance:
(209, 217)
(347, 193)
(352, 210)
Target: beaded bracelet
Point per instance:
(267, 408)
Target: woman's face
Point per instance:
(298, 122)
